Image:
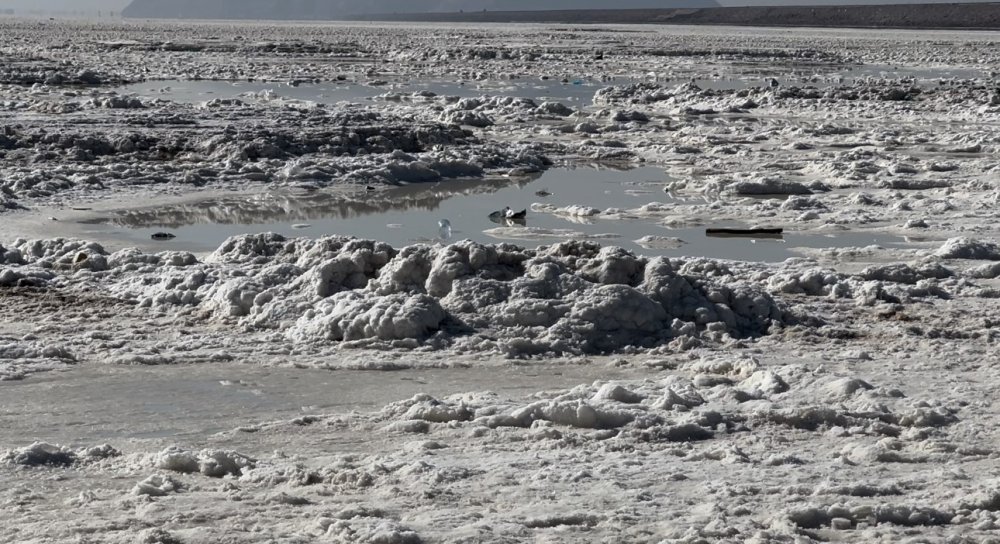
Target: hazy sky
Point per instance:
(117, 5)
(69, 5)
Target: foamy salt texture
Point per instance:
(572, 211)
(710, 416)
(659, 242)
(569, 298)
(347, 145)
(485, 111)
(541, 233)
(573, 297)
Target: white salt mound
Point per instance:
(967, 248)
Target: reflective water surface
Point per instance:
(572, 91)
(414, 214)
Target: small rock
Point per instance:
(840, 524)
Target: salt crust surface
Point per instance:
(852, 442)
(845, 395)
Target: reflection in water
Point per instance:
(341, 91)
(749, 235)
(499, 219)
(278, 207)
(757, 233)
(732, 75)
(444, 230)
(449, 211)
(509, 217)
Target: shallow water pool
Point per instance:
(411, 214)
(572, 92)
(577, 92)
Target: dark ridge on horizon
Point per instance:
(846, 13)
(342, 9)
(966, 15)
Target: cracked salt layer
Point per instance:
(415, 210)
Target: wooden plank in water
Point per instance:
(744, 233)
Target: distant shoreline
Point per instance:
(957, 16)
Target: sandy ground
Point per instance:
(335, 390)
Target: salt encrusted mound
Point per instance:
(637, 93)
(353, 316)
(769, 187)
(571, 211)
(329, 147)
(893, 283)
(967, 248)
(18, 358)
(10, 256)
(156, 536)
(904, 273)
(659, 242)
(724, 395)
(484, 110)
(212, 463)
(986, 271)
(45, 454)
(61, 253)
(157, 485)
(24, 277)
(18, 74)
(40, 454)
(34, 350)
(572, 297)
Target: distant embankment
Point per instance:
(959, 16)
(978, 15)
(314, 10)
